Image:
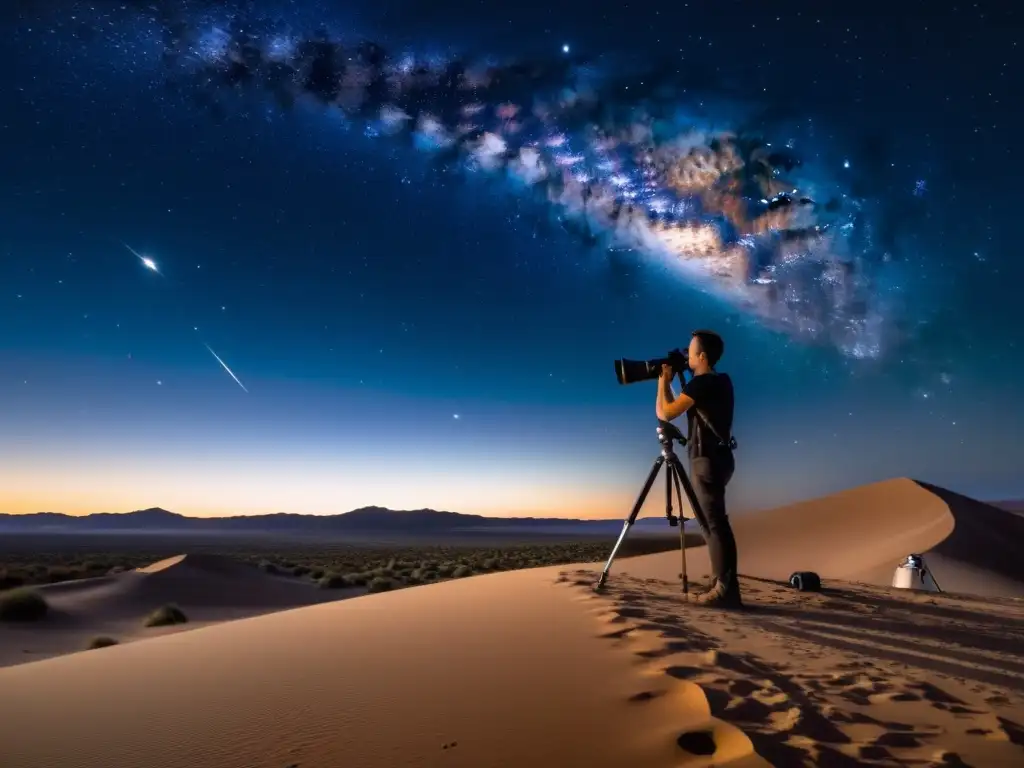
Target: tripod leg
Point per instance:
(926, 570)
(668, 498)
(691, 496)
(630, 520)
(682, 527)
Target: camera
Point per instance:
(632, 371)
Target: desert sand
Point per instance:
(208, 589)
(533, 667)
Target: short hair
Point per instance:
(711, 344)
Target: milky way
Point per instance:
(619, 157)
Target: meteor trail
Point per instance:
(225, 367)
(147, 262)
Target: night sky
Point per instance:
(413, 337)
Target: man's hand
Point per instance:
(668, 406)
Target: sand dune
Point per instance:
(501, 670)
(533, 667)
(208, 588)
(863, 533)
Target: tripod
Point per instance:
(675, 479)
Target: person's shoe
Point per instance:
(720, 596)
(711, 585)
(700, 589)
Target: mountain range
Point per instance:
(1016, 506)
(366, 519)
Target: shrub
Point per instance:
(59, 573)
(381, 584)
(11, 579)
(332, 581)
(462, 572)
(22, 604)
(358, 579)
(165, 616)
(268, 567)
(100, 642)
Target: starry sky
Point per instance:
(411, 339)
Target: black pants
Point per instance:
(710, 475)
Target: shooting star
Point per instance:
(225, 367)
(147, 262)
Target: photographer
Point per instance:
(707, 401)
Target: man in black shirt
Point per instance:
(707, 401)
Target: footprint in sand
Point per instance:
(701, 743)
(1014, 731)
(935, 694)
(944, 759)
(618, 634)
(898, 740)
(647, 696)
(890, 696)
(632, 612)
(743, 688)
(680, 672)
(856, 664)
(980, 732)
(956, 709)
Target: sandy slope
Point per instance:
(209, 589)
(853, 676)
(534, 668)
(502, 670)
(863, 533)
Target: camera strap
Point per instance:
(730, 443)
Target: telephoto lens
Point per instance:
(632, 371)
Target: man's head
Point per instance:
(705, 351)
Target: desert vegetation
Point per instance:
(101, 641)
(22, 604)
(166, 616)
(27, 560)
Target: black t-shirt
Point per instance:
(712, 394)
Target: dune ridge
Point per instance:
(208, 588)
(499, 670)
(982, 555)
(862, 534)
(196, 581)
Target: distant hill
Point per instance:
(365, 520)
(1016, 506)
